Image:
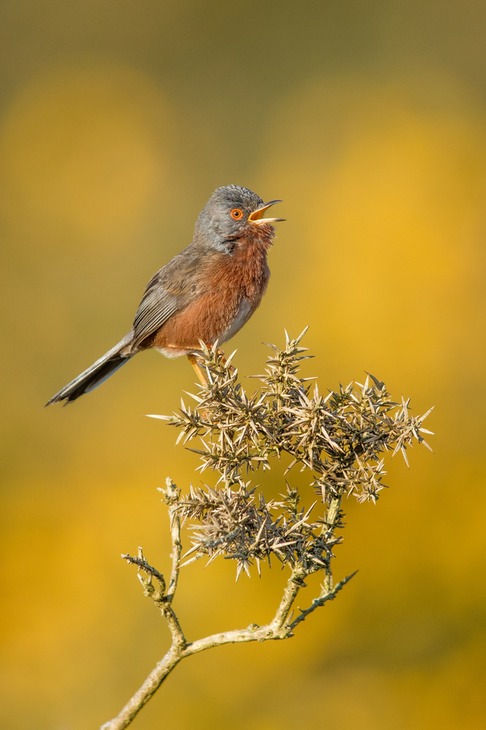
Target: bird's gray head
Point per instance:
(233, 212)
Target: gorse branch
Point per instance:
(338, 440)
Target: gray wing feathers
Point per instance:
(156, 307)
(166, 293)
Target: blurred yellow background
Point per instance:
(117, 120)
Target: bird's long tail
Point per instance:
(93, 376)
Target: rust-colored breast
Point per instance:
(230, 287)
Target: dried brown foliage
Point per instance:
(338, 440)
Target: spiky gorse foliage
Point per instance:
(338, 440)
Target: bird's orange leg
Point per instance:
(198, 370)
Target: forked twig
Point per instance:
(339, 440)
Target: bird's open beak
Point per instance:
(257, 215)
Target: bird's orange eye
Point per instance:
(236, 214)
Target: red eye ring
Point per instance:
(236, 214)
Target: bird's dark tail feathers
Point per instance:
(93, 376)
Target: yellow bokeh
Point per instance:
(81, 148)
(116, 123)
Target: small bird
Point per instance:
(204, 294)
